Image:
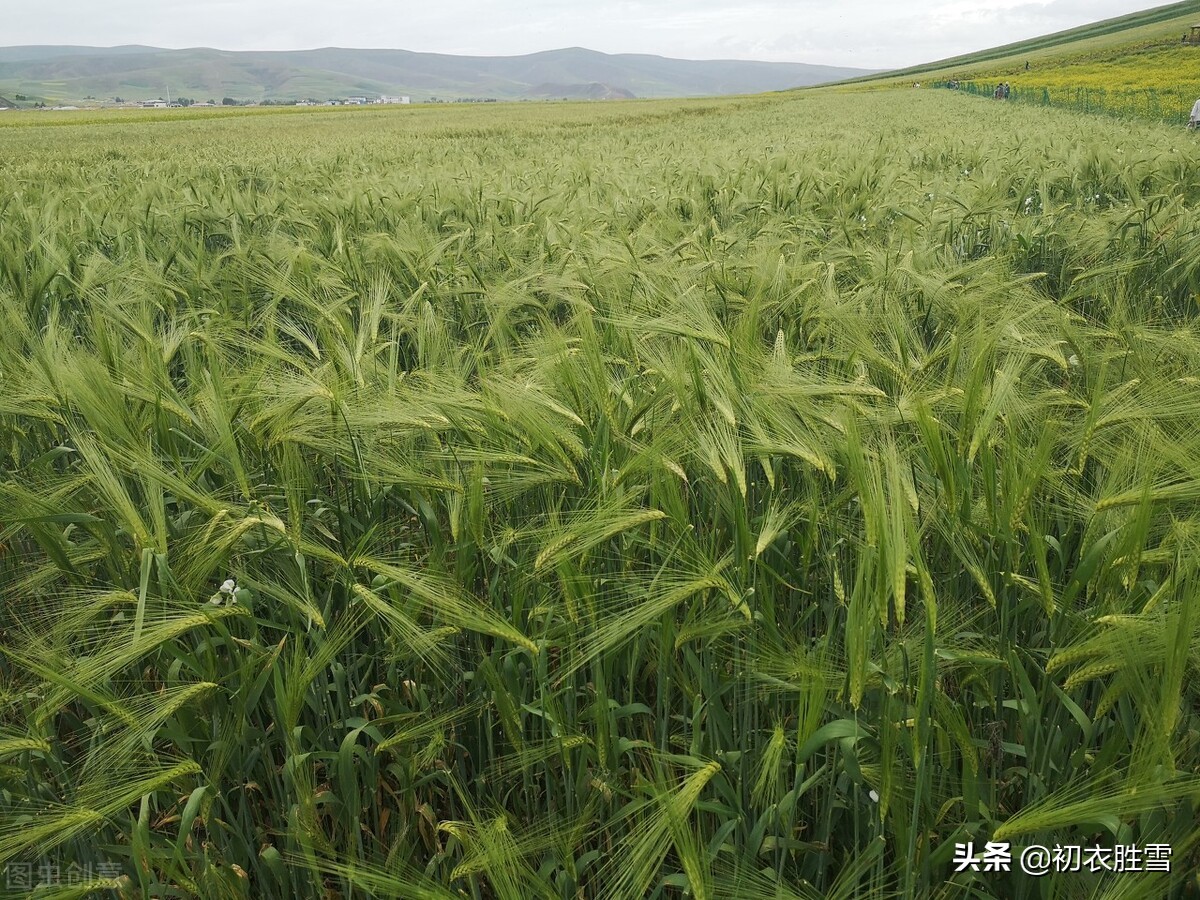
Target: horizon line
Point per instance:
(575, 47)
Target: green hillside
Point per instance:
(1142, 65)
(72, 74)
(1154, 26)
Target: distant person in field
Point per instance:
(1006, 90)
(1194, 118)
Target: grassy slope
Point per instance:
(1133, 65)
(1120, 35)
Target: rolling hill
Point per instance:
(1147, 42)
(56, 74)
(1141, 65)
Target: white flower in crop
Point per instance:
(874, 796)
(227, 592)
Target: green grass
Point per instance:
(1131, 67)
(1127, 34)
(619, 498)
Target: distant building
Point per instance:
(154, 104)
(356, 101)
(401, 99)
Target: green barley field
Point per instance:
(744, 498)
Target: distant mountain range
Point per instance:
(60, 74)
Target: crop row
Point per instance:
(751, 498)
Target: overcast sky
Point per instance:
(866, 33)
